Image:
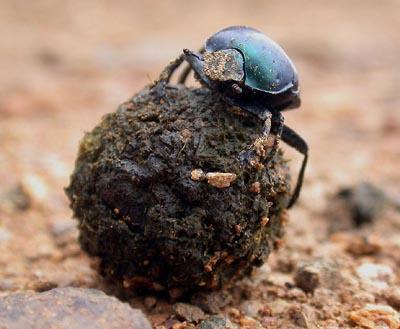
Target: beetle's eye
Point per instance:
(224, 65)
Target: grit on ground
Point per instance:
(64, 67)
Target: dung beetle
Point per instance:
(252, 72)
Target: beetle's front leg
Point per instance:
(258, 149)
(185, 73)
(277, 124)
(158, 86)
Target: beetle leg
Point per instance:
(257, 150)
(290, 137)
(158, 86)
(166, 74)
(267, 118)
(185, 73)
(277, 124)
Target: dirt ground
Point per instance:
(65, 65)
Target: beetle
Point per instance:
(252, 72)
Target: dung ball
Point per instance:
(163, 200)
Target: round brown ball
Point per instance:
(147, 193)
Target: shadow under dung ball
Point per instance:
(162, 199)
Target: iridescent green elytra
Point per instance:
(267, 66)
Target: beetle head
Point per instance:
(221, 70)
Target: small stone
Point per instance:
(150, 302)
(197, 175)
(359, 246)
(211, 302)
(41, 285)
(392, 297)
(183, 325)
(307, 278)
(35, 188)
(220, 179)
(374, 316)
(377, 275)
(362, 298)
(319, 273)
(5, 235)
(252, 308)
(186, 135)
(255, 188)
(248, 322)
(62, 226)
(7, 285)
(269, 322)
(187, 312)
(68, 308)
(216, 322)
(264, 220)
(298, 317)
(279, 307)
(16, 199)
(364, 201)
(64, 232)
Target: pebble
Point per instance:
(318, 273)
(365, 202)
(150, 302)
(41, 285)
(364, 245)
(197, 175)
(187, 312)
(252, 308)
(212, 302)
(298, 317)
(62, 226)
(16, 199)
(392, 297)
(68, 308)
(377, 275)
(217, 322)
(5, 235)
(220, 179)
(279, 307)
(374, 316)
(307, 278)
(35, 188)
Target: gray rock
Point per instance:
(216, 322)
(318, 273)
(16, 198)
(364, 201)
(69, 308)
(5, 235)
(187, 312)
(211, 302)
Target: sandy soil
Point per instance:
(65, 65)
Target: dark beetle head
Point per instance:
(248, 69)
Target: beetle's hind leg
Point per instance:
(185, 73)
(290, 137)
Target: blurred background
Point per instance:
(64, 64)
